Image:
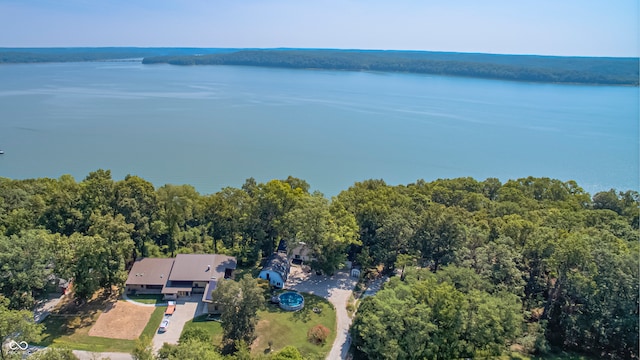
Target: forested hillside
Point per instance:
(553, 69)
(43, 55)
(483, 266)
(531, 68)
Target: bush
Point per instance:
(351, 307)
(318, 334)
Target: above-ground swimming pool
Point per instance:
(291, 301)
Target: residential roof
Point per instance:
(278, 262)
(175, 289)
(212, 285)
(201, 267)
(150, 271)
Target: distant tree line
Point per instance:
(42, 55)
(577, 70)
(548, 69)
(535, 263)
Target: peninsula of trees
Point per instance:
(530, 68)
(482, 267)
(548, 69)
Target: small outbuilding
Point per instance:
(276, 271)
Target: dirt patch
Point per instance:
(258, 342)
(122, 320)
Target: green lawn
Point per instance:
(73, 332)
(154, 321)
(147, 298)
(284, 328)
(213, 328)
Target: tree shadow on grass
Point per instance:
(311, 302)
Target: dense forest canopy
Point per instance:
(484, 266)
(554, 69)
(532, 68)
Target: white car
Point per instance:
(163, 325)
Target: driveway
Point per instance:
(43, 307)
(337, 289)
(186, 309)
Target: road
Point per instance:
(87, 355)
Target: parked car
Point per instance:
(164, 325)
(171, 308)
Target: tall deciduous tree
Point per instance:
(16, 325)
(326, 229)
(240, 302)
(26, 263)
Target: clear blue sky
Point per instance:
(558, 27)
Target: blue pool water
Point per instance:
(291, 301)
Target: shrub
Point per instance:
(351, 307)
(318, 334)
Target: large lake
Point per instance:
(215, 126)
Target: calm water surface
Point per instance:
(215, 126)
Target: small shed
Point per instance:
(276, 270)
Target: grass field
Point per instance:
(213, 328)
(284, 328)
(147, 298)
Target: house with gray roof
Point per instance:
(148, 276)
(182, 276)
(276, 270)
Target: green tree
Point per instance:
(273, 201)
(178, 204)
(90, 265)
(287, 353)
(26, 265)
(137, 201)
(198, 334)
(17, 325)
(240, 302)
(118, 247)
(327, 229)
(96, 195)
(440, 234)
(143, 349)
(189, 350)
(55, 353)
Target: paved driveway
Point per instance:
(186, 309)
(337, 289)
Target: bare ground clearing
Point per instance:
(122, 320)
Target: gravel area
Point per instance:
(337, 289)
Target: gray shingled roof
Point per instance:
(150, 271)
(201, 267)
(279, 263)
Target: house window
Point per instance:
(297, 257)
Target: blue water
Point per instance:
(291, 299)
(215, 126)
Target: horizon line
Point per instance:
(319, 48)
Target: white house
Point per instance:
(301, 253)
(276, 270)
